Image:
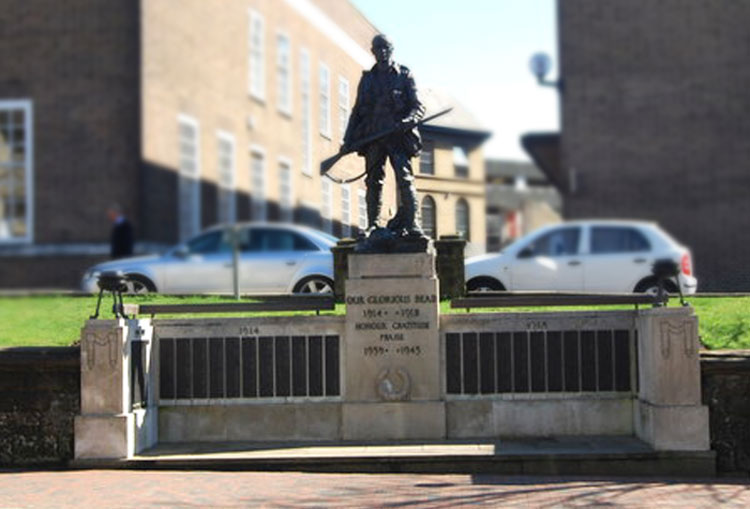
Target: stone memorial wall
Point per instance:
(391, 369)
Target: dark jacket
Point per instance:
(121, 240)
(384, 99)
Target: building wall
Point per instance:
(107, 86)
(447, 189)
(77, 62)
(656, 122)
(41, 396)
(195, 63)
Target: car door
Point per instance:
(549, 262)
(269, 259)
(203, 265)
(618, 257)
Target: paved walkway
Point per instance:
(148, 489)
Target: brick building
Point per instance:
(656, 123)
(184, 113)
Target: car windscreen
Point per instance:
(322, 238)
(212, 242)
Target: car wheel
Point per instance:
(485, 284)
(315, 285)
(139, 285)
(650, 286)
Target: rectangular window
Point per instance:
(258, 177)
(346, 217)
(427, 158)
(304, 70)
(284, 73)
(326, 204)
(325, 101)
(460, 162)
(189, 183)
(227, 201)
(286, 196)
(559, 242)
(616, 239)
(362, 209)
(343, 105)
(16, 136)
(256, 59)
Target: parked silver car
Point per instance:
(273, 258)
(590, 256)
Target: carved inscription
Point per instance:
(249, 330)
(388, 320)
(536, 325)
(393, 343)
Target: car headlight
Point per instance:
(91, 274)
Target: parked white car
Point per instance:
(274, 258)
(587, 256)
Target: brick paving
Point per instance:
(189, 489)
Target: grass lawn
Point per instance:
(57, 320)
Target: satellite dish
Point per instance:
(540, 65)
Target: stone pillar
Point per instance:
(341, 252)
(108, 427)
(450, 266)
(669, 414)
(392, 378)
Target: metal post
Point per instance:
(236, 261)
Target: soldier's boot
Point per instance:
(374, 205)
(410, 213)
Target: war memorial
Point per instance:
(547, 392)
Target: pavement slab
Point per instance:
(190, 489)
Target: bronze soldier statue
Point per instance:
(387, 99)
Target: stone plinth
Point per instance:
(108, 427)
(392, 348)
(669, 414)
(104, 377)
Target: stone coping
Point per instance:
(40, 356)
(725, 361)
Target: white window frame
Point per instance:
(28, 125)
(326, 204)
(343, 102)
(427, 158)
(346, 210)
(460, 201)
(286, 200)
(324, 100)
(433, 203)
(284, 73)
(256, 59)
(461, 160)
(259, 207)
(189, 225)
(362, 209)
(306, 112)
(226, 212)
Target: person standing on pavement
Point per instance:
(121, 238)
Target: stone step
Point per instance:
(618, 456)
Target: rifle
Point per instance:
(327, 164)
